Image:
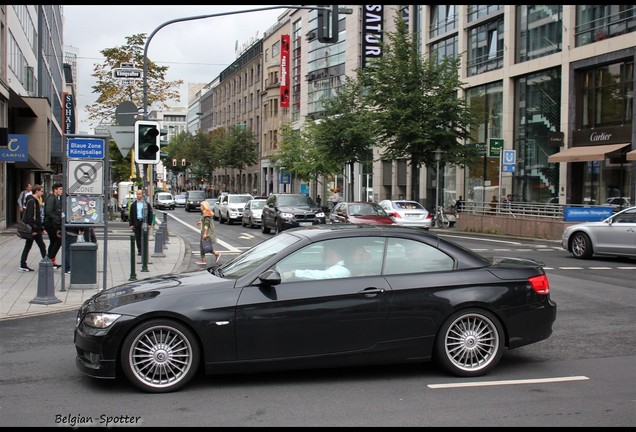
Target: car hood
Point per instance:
(297, 209)
(371, 220)
(150, 288)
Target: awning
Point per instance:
(585, 153)
(631, 155)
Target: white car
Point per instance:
(253, 212)
(406, 212)
(231, 207)
(615, 235)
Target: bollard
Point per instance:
(158, 244)
(46, 284)
(144, 250)
(133, 275)
(164, 225)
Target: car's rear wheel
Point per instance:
(470, 343)
(160, 356)
(581, 246)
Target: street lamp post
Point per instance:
(438, 158)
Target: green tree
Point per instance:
(240, 151)
(345, 131)
(112, 91)
(298, 154)
(415, 103)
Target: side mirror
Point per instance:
(269, 277)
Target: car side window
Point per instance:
(626, 217)
(404, 256)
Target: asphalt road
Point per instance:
(583, 375)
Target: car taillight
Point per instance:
(540, 284)
(429, 216)
(395, 215)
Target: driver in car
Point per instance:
(334, 266)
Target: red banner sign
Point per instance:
(284, 71)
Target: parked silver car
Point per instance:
(406, 212)
(615, 236)
(253, 212)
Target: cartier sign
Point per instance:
(606, 135)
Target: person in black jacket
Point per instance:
(33, 217)
(53, 221)
(135, 217)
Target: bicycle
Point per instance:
(440, 220)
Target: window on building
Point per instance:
(537, 118)
(443, 19)
(598, 22)
(485, 47)
(607, 95)
(444, 48)
(477, 12)
(486, 104)
(539, 31)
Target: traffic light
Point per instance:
(147, 142)
(328, 24)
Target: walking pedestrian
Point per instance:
(207, 231)
(135, 217)
(53, 222)
(28, 190)
(33, 217)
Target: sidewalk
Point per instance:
(18, 289)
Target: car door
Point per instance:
(619, 237)
(311, 317)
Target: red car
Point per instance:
(359, 213)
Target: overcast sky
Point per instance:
(196, 51)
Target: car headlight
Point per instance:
(287, 215)
(320, 215)
(100, 320)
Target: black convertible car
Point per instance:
(318, 296)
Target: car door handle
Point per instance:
(368, 291)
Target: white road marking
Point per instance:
(507, 382)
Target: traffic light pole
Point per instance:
(198, 17)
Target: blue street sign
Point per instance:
(508, 168)
(285, 178)
(509, 157)
(86, 148)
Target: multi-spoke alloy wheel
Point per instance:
(470, 343)
(160, 356)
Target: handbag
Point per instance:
(206, 245)
(24, 230)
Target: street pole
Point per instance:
(438, 158)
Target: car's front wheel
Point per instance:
(581, 246)
(160, 356)
(470, 343)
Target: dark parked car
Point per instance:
(284, 211)
(193, 199)
(402, 295)
(359, 212)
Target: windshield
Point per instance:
(294, 201)
(196, 195)
(239, 199)
(255, 256)
(257, 204)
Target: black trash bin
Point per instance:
(83, 265)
